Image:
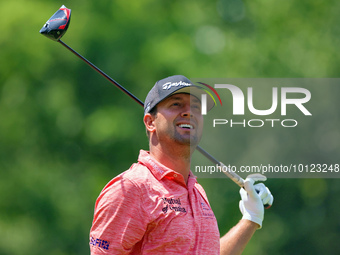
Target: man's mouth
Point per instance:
(186, 126)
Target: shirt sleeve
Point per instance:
(119, 220)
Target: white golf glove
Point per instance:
(254, 197)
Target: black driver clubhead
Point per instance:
(57, 25)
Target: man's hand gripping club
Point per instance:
(253, 198)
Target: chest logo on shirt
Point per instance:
(173, 204)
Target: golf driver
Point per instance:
(56, 27)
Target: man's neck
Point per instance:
(176, 158)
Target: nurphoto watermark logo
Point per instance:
(295, 96)
(280, 127)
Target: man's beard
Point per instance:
(191, 140)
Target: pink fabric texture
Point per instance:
(149, 209)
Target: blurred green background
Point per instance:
(65, 131)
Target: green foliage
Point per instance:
(65, 131)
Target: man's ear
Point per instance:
(149, 122)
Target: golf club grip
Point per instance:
(233, 176)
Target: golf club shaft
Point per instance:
(233, 176)
(102, 73)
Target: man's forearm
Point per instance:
(237, 238)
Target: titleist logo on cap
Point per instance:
(169, 85)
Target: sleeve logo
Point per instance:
(99, 243)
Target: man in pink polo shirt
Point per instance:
(157, 206)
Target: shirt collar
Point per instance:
(158, 169)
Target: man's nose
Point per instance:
(187, 112)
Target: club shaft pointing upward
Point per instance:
(233, 176)
(102, 73)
